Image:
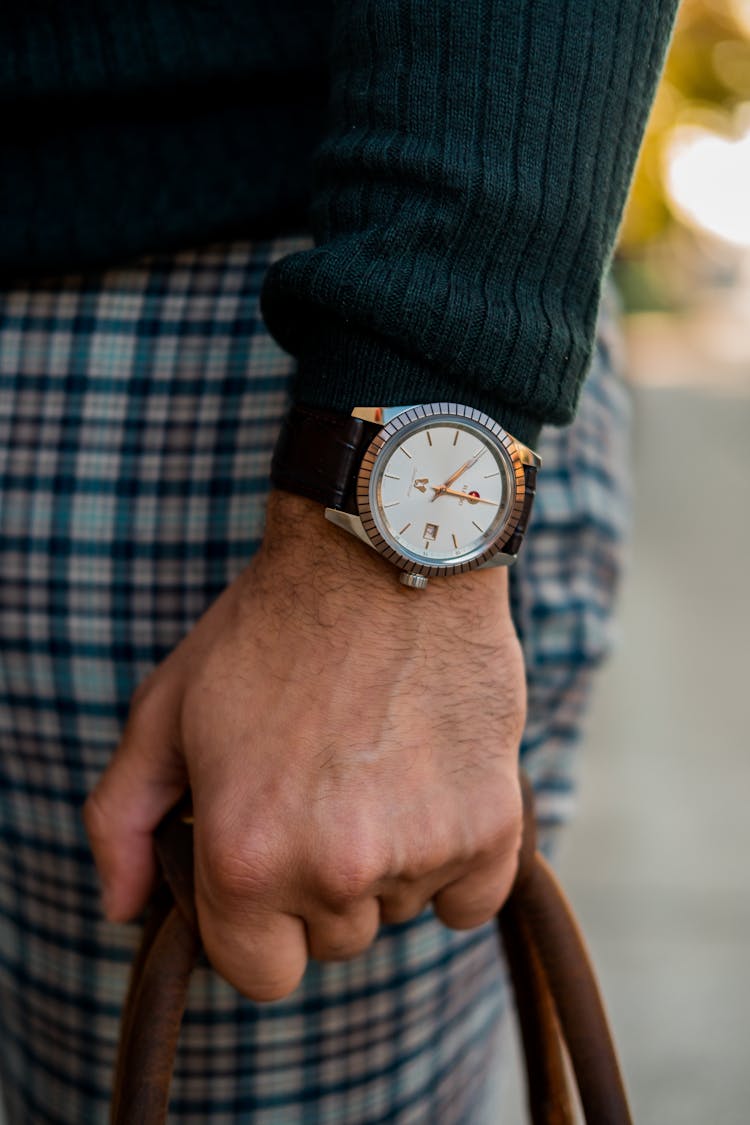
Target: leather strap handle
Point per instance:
(159, 978)
(544, 946)
(547, 1090)
(556, 992)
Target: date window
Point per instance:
(431, 531)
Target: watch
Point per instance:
(437, 489)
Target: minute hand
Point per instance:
(472, 461)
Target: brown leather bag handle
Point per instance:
(556, 992)
(557, 996)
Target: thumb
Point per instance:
(144, 779)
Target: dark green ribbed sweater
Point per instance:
(465, 191)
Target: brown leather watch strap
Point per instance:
(318, 454)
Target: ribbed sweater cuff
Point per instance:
(342, 369)
(466, 199)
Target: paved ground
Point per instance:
(657, 863)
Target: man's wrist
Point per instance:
(299, 541)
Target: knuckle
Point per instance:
(496, 840)
(451, 849)
(428, 843)
(346, 879)
(467, 911)
(473, 901)
(239, 870)
(398, 908)
(342, 939)
(431, 852)
(498, 828)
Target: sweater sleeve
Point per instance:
(467, 196)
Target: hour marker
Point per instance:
(393, 504)
(391, 476)
(455, 440)
(476, 525)
(403, 450)
(405, 528)
(488, 475)
(431, 531)
(455, 541)
(429, 437)
(426, 544)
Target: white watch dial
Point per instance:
(440, 491)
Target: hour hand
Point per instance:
(466, 496)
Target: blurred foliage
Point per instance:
(706, 81)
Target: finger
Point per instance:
(262, 954)
(144, 779)
(341, 936)
(474, 898)
(403, 905)
(251, 934)
(403, 898)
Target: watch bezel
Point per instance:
(378, 448)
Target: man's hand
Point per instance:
(351, 747)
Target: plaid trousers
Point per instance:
(138, 411)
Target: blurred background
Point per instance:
(683, 263)
(657, 861)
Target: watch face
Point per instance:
(439, 488)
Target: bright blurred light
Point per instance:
(708, 182)
(741, 10)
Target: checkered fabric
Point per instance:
(138, 410)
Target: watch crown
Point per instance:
(416, 581)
